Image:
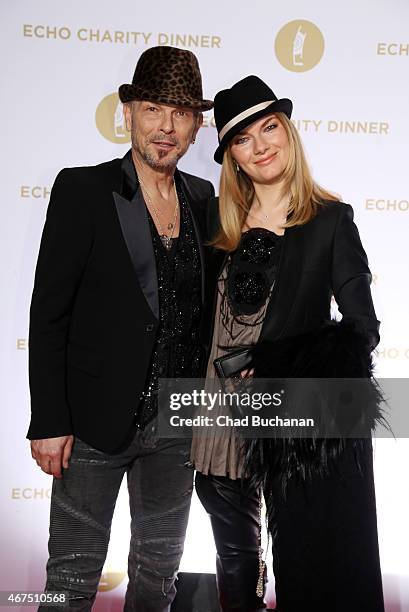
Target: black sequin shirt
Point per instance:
(177, 349)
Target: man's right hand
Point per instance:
(52, 454)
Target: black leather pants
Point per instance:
(234, 514)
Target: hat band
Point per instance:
(247, 113)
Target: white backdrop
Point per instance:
(345, 65)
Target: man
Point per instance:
(117, 304)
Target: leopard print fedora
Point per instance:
(169, 76)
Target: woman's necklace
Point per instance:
(267, 217)
(166, 240)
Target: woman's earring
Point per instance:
(193, 140)
(237, 168)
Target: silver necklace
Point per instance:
(166, 240)
(265, 216)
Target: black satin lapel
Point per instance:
(137, 235)
(286, 285)
(199, 237)
(129, 179)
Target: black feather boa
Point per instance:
(334, 350)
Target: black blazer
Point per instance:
(322, 258)
(94, 311)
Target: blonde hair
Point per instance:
(237, 191)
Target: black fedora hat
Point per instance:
(245, 102)
(167, 75)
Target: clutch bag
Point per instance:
(233, 363)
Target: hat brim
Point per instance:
(129, 92)
(278, 106)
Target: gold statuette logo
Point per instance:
(299, 45)
(110, 580)
(110, 120)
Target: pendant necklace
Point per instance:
(266, 217)
(166, 240)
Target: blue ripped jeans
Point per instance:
(82, 505)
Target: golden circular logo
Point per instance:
(110, 580)
(110, 120)
(299, 45)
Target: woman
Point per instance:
(284, 246)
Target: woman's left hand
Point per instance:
(247, 373)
